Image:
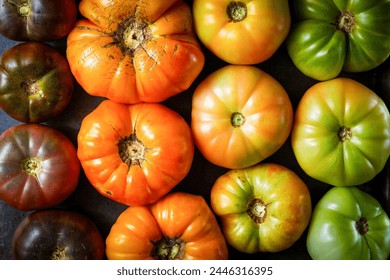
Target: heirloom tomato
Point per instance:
(242, 32)
(240, 116)
(54, 234)
(341, 132)
(331, 36)
(134, 154)
(348, 223)
(39, 167)
(37, 20)
(35, 82)
(133, 51)
(179, 226)
(263, 208)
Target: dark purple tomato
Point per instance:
(35, 82)
(39, 167)
(54, 234)
(37, 20)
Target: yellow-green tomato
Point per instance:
(348, 223)
(341, 132)
(242, 32)
(263, 208)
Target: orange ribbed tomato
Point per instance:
(132, 51)
(179, 226)
(134, 154)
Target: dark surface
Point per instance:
(202, 174)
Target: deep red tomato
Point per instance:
(135, 154)
(179, 226)
(242, 32)
(240, 116)
(36, 82)
(54, 234)
(37, 20)
(39, 167)
(133, 51)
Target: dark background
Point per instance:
(202, 174)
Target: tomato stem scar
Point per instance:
(237, 11)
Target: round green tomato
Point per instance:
(263, 208)
(348, 223)
(36, 83)
(331, 36)
(341, 133)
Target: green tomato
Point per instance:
(348, 223)
(331, 36)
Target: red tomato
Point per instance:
(39, 167)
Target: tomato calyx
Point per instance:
(23, 9)
(236, 11)
(237, 119)
(59, 253)
(257, 210)
(31, 165)
(344, 133)
(131, 150)
(132, 35)
(31, 87)
(168, 249)
(362, 225)
(345, 21)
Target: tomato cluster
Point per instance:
(166, 113)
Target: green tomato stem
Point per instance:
(31, 165)
(237, 11)
(24, 10)
(344, 133)
(237, 119)
(168, 249)
(362, 225)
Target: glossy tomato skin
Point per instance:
(240, 116)
(54, 234)
(263, 208)
(347, 223)
(37, 20)
(134, 51)
(134, 154)
(39, 167)
(178, 226)
(331, 36)
(36, 83)
(242, 32)
(341, 132)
